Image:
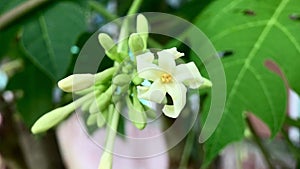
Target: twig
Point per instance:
(16, 13)
(98, 7)
(257, 140)
(187, 150)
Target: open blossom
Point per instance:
(167, 78)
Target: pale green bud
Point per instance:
(106, 161)
(137, 80)
(76, 82)
(206, 84)
(55, 116)
(121, 79)
(136, 43)
(92, 119)
(136, 113)
(103, 101)
(142, 28)
(105, 76)
(94, 107)
(52, 118)
(85, 106)
(101, 119)
(109, 46)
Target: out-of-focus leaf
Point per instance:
(6, 5)
(49, 37)
(36, 89)
(254, 31)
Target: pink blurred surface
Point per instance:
(79, 151)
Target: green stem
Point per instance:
(187, 150)
(291, 122)
(112, 130)
(18, 12)
(98, 7)
(134, 7)
(123, 38)
(257, 140)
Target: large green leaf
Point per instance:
(255, 31)
(48, 37)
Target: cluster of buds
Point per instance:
(136, 77)
(99, 94)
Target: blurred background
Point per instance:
(40, 41)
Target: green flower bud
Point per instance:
(103, 101)
(76, 82)
(142, 28)
(136, 43)
(206, 84)
(106, 161)
(109, 46)
(101, 120)
(85, 106)
(93, 107)
(55, 116)
(52, 118)
(136, 113)
(121, 79)
(105, 76)
(92, 119)
(137, 80)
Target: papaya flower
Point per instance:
(167, 78)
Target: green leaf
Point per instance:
(6, 5)
(255, 32)
(49, 37)
(36, 93)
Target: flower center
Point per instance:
(166, 78)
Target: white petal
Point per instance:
(156, 92)
(145, 61)
(189, 75)
(166, 61)
(152, 74)
(177, 91)
(174, 52)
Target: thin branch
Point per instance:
(98, 7)
(187, 150)
(18, 12)
(257, 140)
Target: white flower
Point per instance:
(167, 77)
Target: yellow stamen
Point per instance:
(166, 78)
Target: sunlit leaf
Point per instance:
(253, 32)
(48, 38)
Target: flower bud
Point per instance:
(121, 79)
(142, 28)
(92, 119)
(136, 43)
(106, 161)
(76, 82)
(101, 119)
(52, 118)
(137, 80)
(93, 107)
(105, 76)
(103, 101)
(206, 84)
(136, 113)
(85, 106)
(109, 46)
